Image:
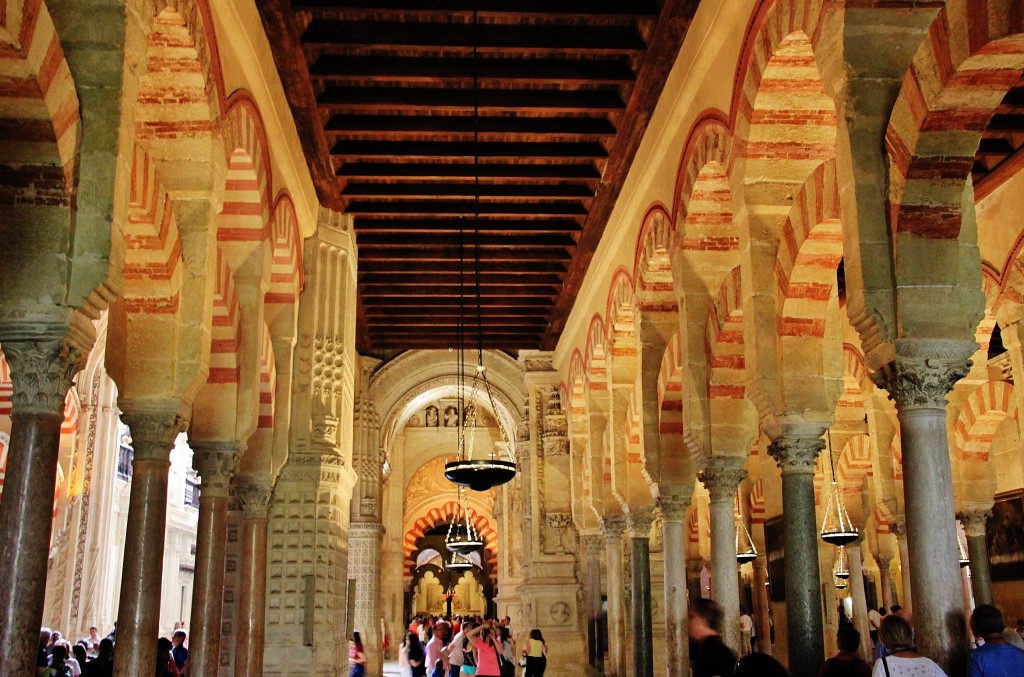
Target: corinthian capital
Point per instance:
(41, 373)
(924, 372)
(154, 425)
(721, 476)
(639, 521)
(796, 455)
(215, 463)
(974, 521)
(614, 526)
(254, 494)
(673, 508)
(593, 543)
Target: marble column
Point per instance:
(722, 477)
(364, 551)
(214, 461)
(613, 529)
(154, 426)
(677, 641)
(592, 544)
(796, 453)
(41, 372)
(762, 616)
(899, 528)
(254, 496)
(693, 569)
(885, 579)
(918, 380)
(639, 521)
(860, 604)
(977, 551)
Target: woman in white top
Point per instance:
(901, 661)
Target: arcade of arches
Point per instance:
(809, 268)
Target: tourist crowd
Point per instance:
(93, 656)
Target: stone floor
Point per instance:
(391, 669)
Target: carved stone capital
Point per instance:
(215, 463)
(592, 544)
(673, 508)
(613, 526)
(639, 520)
(154, 426)
(796, 455)
(721, 477)
(898, 527)
(974, 522)
(41, 373)
(254, 495)
(924, 372)
(883, 562)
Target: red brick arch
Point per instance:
(973, 54)
(652, 264)
(670, 388)
(723, 340)
(985, 408)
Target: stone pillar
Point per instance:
(885, 579)
(860, 605)
(254, 495)
(918, 380)
(722, 478)
(154, 427)
(41, 371)
(677, 641)
(639, 520)
(214, 461)
(613, 529)
(364, 550)
(796, 453)
(762, 617)
(592, 544)
(977, 551)
(899, 528)
(693, 569)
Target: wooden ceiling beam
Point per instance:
(486, 190)
(453, 295)
(453, 279)
(425, 300)
(487, 266)
(466, 208)
(495, 9)
(432, 150)
(368, 241)
(364, 224)
(429, 126)
(338, 68)
(440, 170)
(463, 37)
(335, 98)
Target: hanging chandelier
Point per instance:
(836, 528)
(458, 563)
(463, 537)
(498, 465)
(841, 569)
(745, 549)
(840, 583)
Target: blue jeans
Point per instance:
(454, 670)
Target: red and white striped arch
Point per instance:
(973, 55)
(986, 407)
(6, 386)
(621, 316)
(758, 506)
(855, 462)
(444, 514)
(708, 144)
(152, 261)
(40, 118)
(670, 388)
(577, 388)
(723, 340)
(896, 452)
(883, 519)
(268, 382)
(652, 266)
(632, 423)
(286, 251)
(226, 328)
(856, 383)
(597, 355)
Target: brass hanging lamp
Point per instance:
(463, 537)
(498, 465)
(746, 551)
(836, 528)
(458, 563)
(841, 568)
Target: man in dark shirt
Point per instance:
(179, 651)
(103, 664)
(709, 655)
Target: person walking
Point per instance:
(996, 657)
(709, 655)
(900, 659)
(846, 663)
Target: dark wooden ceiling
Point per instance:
(383, 96)
(998, 155)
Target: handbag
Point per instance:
(886, 666)
(522, 661)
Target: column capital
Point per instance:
(924, 371)
(215, 463)
(42, 370)
(673, 508)
(796, 455)
(898, 527)
(254, 493)
(154, 426)
(639, 520)
(974, 521)
(613, 526)
(721, 476)
(592, 543)
(883, 561)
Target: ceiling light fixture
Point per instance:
(836, 527)
(498, 465)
